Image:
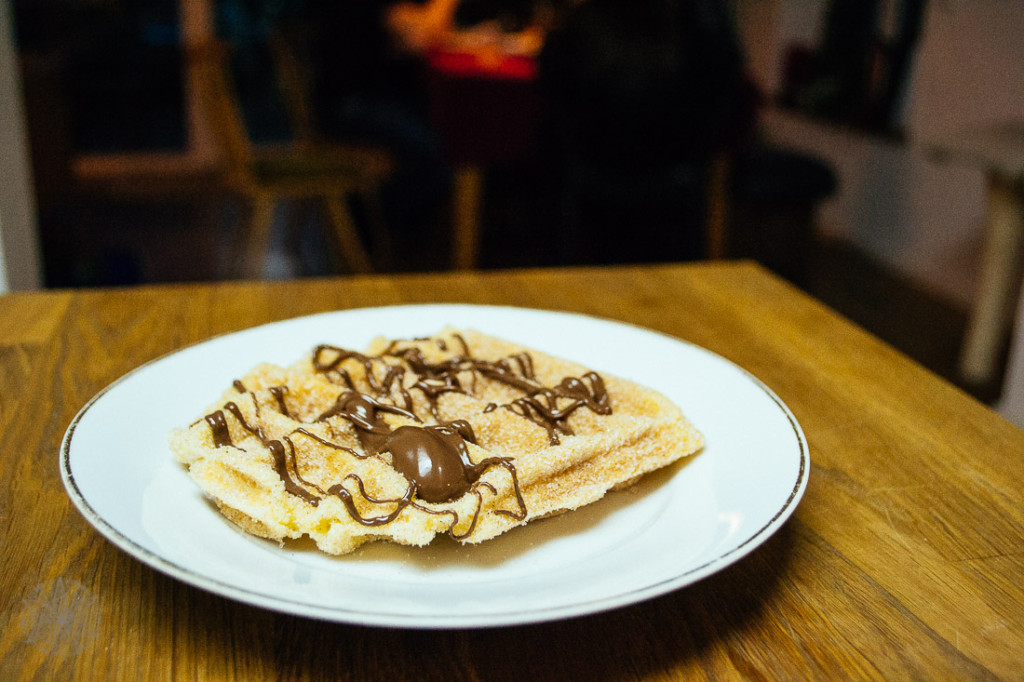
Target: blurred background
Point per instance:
(834, 141)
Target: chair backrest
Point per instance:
(220, 104)
(293, 76)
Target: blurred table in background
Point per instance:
(484, 107)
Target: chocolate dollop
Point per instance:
(435, 459)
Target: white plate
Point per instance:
(672, 529)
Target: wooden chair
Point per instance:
(267, 175)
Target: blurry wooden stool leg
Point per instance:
(383, 247)
(348, 240)
(718, 207)
(468, 187)
(236, 214)
(992, 315)
(260, 226)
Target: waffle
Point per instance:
(459, 434)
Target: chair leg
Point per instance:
(383, 248)
(991, 318)
(467, 196)
(350, 245)
(717, 218)
(261, 224)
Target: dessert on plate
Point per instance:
(459, 434)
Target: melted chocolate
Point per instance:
(219, 429)
(236, 412)
(345, 496)
(364, 414)
(433, 458)
(291, 481)
(278, 393)
(539, 404)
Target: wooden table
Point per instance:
(904, 559)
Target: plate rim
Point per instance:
(507, 617)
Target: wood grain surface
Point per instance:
(904, 559)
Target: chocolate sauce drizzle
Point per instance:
(433, 458)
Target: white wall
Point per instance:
(899, 202)
(921, 216)
(768, 27)
(918, 213)
(969, 68)
(19, 251)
